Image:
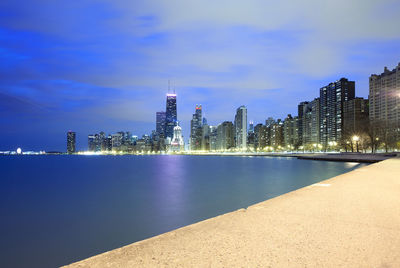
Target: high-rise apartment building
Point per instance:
(205, 137)
(225, 136)
(260, 137)
(171, 116)
(276, 135)
(92, 143)
(71, 142)
(332, 98)
(315, 121)
(241, 128)
(302, 108)
(290, 132)
(384, 103)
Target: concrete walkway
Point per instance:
(352, 220)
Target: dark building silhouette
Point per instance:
(356, 112)
(196, 129)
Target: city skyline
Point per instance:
(107, 69)
(336, 120)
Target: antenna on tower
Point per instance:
(169, 85)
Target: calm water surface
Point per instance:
(59, 209)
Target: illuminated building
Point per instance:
(225, 136)
(71, 142)
(171, 116)
(332, 98)
(160, 123)
(177, 143)
(384, 104)
(241, 128)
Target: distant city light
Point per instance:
(19, 151)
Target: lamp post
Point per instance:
(356, 139)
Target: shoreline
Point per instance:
(350, 220)
(336, 157)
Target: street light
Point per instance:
(356, 139)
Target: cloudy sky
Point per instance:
(89, 66)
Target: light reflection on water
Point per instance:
(59, 209)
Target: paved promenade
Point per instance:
(352, 220)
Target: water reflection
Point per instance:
(170, 174)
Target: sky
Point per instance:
(91, 66)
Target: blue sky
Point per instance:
(93, 66)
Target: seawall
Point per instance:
(352, 220)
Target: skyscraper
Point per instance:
(332, 98)
(195, 129)
(171, 116)
(277, 137)
(225, 136)
(71, 142)
(251, 126)
(160, 123)
(241, 128)
(315, 121)
(301, 113)
(260, 137)
(384, 101)
(290, 131)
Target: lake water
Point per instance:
(60, 209)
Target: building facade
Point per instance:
(290, 132)
(332, 98)
(241, 128)
(384, 104)
(196, 129)
(177, 144)
(356, 117)
(171, 115)
(225, 136)
(315, 121)
(160, 123)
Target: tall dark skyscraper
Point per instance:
(71, 142)
(195, 126)
(332, 98)
(171, 116)
(160, 123)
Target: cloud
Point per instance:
(109, 61)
